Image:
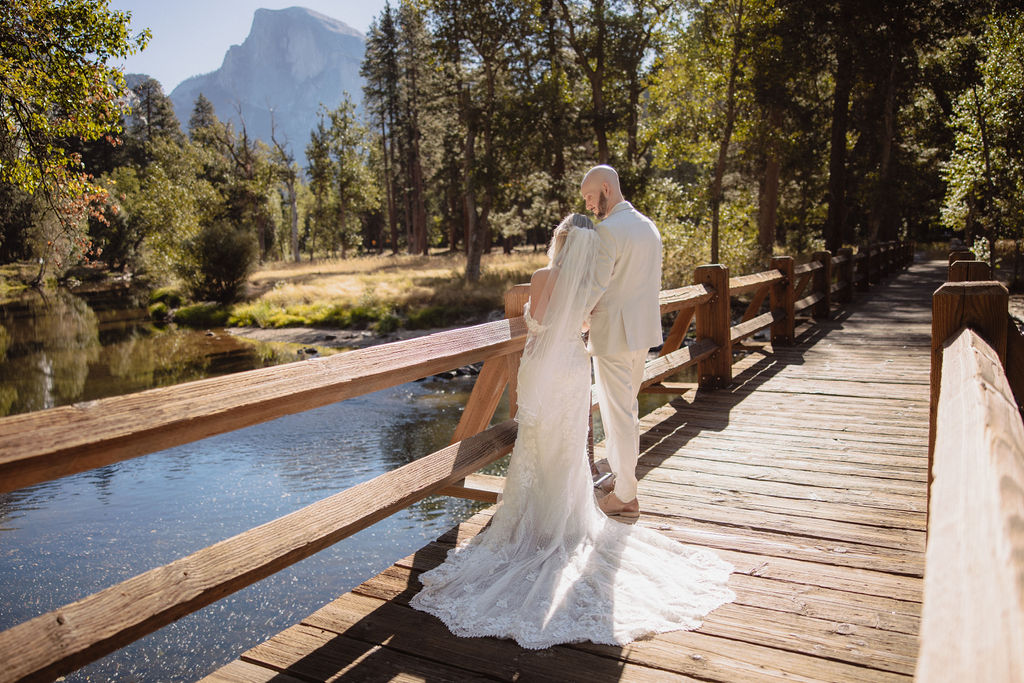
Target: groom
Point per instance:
(625, 322)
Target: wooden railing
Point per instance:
(972, 624)
(45, 445)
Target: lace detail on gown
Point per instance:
(551, 568)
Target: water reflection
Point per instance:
(56, 349)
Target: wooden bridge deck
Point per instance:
(808, 474)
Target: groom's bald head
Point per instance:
(600, 190)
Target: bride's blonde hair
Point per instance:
(558, 237)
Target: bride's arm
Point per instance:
(539, 293)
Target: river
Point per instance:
(65, 539)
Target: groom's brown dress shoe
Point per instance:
(616, 509)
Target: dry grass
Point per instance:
(402, 290)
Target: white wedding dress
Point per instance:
(551, 567)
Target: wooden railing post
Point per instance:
(874, 271)
(495, 374)
(961, 255)
(969, 271)
(515, 302)
(714, 322)
(981, 306)
(822, 282)
(782, 299)
(863, 269)
(846, 275)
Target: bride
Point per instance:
(551, 568)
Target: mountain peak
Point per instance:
(273, 17)
(292, 60)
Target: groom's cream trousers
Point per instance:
(618, 378)
(625, 322)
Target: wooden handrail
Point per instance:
(685, 297)
(84, 436)
(49, 444)
(972, 620)
(751, 283)
(808, 267)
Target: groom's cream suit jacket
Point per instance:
(626, 315)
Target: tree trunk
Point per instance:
(836, 221)
(768, 196)
(730, 122)
(474, 245)
(389, 185)
(597, 86)
(293, 203)
(419, 205)
(881, 226)
(342, 225)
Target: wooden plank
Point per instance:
(399, 583)
(744, 329)
(684, 297)
(482, 487)
(66, 638)
(805, 268)
(800, 573)
(808, 301)
(419, 634)
(84, 436)
(316, 654)
(755, 303)
(664, 366)
(670, 388)
(678, 331)
(742, 284)
(483, 400)
(782, 522)
(247, 672)
(709, 449)
(973, 617)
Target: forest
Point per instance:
(741, 127)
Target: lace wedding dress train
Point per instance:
(551, 568)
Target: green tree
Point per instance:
(985, 174)
(55, 85)
(381, 74)
(320, 172)
(347, 144)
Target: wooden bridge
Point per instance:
(804, 461)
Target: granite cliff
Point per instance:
(292, 60)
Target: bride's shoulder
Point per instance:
(540, 276)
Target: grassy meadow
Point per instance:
(382, 293)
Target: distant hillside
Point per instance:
(292, 60)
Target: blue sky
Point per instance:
(191, 36)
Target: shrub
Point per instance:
(429, 316)
(207, 314)
(389, 322)
(158, 311)
(167, 295)
(217, 262)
